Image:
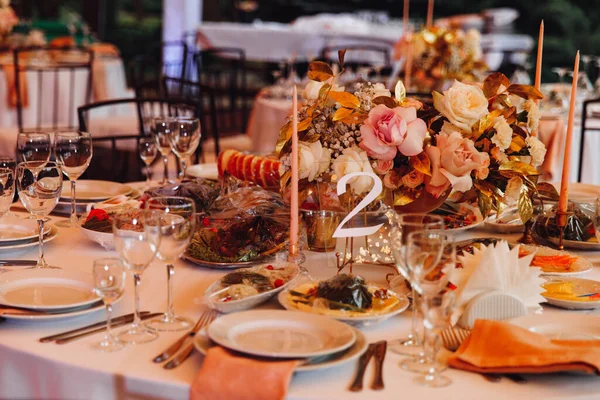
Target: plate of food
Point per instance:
(572, 293)
(459, 216)
(247, 288)
(97, 224)
(579, 232)
(344, 297)
(556, 262)
(239, 242)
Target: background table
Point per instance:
(266, 119)
(30, 369)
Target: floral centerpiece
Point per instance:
(8, 19)
(441, 55)
(476, 140)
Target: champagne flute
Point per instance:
(137, 237)
(402, 225)
(147, 147)
(7, 189)
(39, 189)
(73, 151)
(177, 222)
(185, 139)
(163, 127)
(109, 283)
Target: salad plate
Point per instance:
(459, 217)
(572, 293)
(97, 307)
(92, 190)
(247, 288)
(202, 343)
(14, 229)
(556, 262)
(562, 326)
(29, 243)
(281, 334)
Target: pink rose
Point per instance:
(382, 167)
(413, 179)
(452, 161)
(387, 131)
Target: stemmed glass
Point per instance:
(163, 127)
(109, 283)
(39, 188)
(11, 164)
(137, 237)
(34, 147)
(402, 225)
(7, 189)
(177, 222)
(185, 139)
(73, 151)
(597, 218)
(147, 147)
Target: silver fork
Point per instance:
(187, 350)
(204, 319)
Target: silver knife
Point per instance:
(17, 263)
(363, 361)
(380, 350)
(69, 339)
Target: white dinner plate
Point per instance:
(9, 247)
(47, 290)
(575, 244)
(580, 287)
(478, 219)
(281, 334)
(207, 171)
(91, 190)
(203, 343)
(581, 266)
(561, 325)
(15, 229)
(65, 314)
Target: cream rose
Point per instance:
(462, 104)
(382, 167)
(503, 136)
(413, 179)
(533, 114)
(353, 159)
(312, 89)
(314, 160)
(380, 90)
(513, 190)
(537, 150)
(472, 42)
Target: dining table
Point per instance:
(30, 369)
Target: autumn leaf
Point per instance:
(547, 191)
(387, 101)
(341, 57)
(354, 118)
(518, 166)
(421, 163)
(342, 113)
(493, 82)
(345, 99)
(525, 91)
(323, 92)
(485, 204)
(304, 124)
(525, 206)
(319, 71)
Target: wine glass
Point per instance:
(7, 189)
(597, 218)
(177, 222)
(73, 151)
(163, 127)
(402, 225)
(424, 247)
(147, 147)
(437, 313)
(109, 284)
(35, 148)
(10, 163)
(39, 188)
(185, 139)
(136, 237)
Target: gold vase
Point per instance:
(320, 226)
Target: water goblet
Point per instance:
(437, 313)
(7, 189)
(109, 284)
(177, 222)
(8, 162)
(147, 148)
(163, 127)
(401, 226)
(137, 237)
(185, 139)
(73, 151)
(39, 188)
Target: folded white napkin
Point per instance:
(497, 268)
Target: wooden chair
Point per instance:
(585, 127)
(54, 70)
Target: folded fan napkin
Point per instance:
(228, 376)
(499, 347)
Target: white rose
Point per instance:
(473, 43)
(312, 89)
(537, 150)
(462, 104)
(353, 159)
(533, 114)
(513, 190)
(380, 90)
(448, 128)
(314, 160)
(503, 136)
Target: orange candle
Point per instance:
(429, 21)
(564, 185)
(408, 64)
(405, 16)
(538, 64)
(294, 183)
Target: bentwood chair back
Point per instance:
(590, 122)
(49, 86)
(225, 71)
(359, 55)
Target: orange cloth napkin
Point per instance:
(500, 347)
(11, 84)
(227, 376)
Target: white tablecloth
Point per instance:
(30, 369)
(266, 119)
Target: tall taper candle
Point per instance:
(405, 16)
(564, 184)
(294, 187)
(538, 63)
(408, 63)
(429, 20)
